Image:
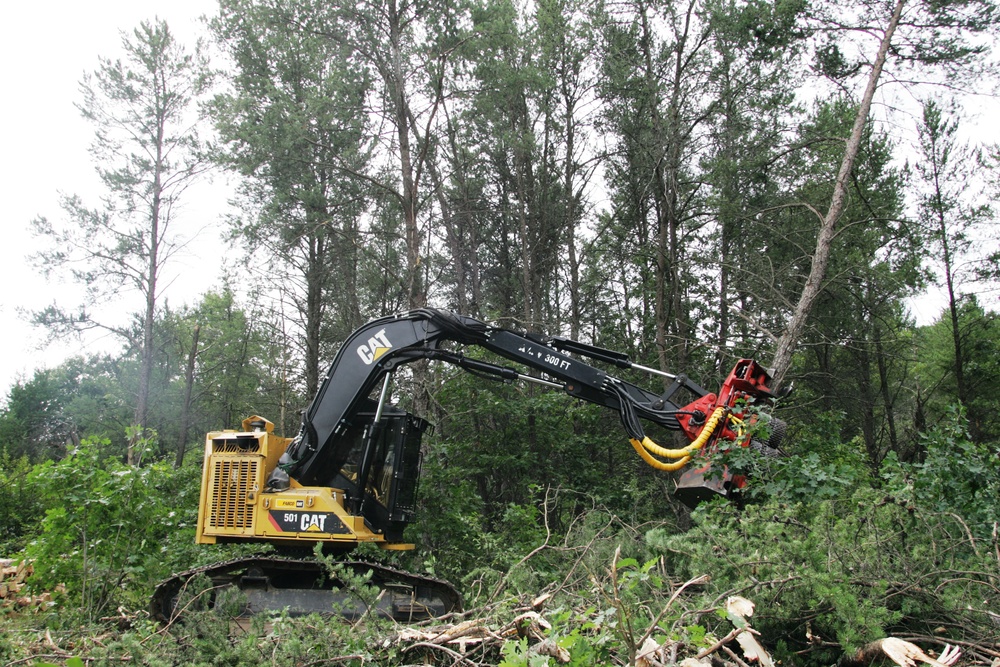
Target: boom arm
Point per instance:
(377, 348)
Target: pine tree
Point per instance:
(147, 150)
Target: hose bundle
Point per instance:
(649, 450)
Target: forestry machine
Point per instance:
(350, 475)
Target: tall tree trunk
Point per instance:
(569, 192)
(527, 220)
(415, 294)
(722, 341)
(671, 323)
(824, 242)
(315, 276)
(659, 131)
(453, 229)
(887, 400)
(949, 276)
(677, 137)
(188, 388)
(152, 268)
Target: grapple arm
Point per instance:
(382, 345)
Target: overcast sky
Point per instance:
(45, 48)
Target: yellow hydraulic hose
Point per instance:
(741, 426)
(647, 448)
(659, 465)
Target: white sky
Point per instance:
(45, 48)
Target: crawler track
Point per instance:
(303, 587)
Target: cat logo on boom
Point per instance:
(376, 346)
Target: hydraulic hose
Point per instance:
(659, 465)
(646, 448)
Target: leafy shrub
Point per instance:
(110, 531)
(957, 476)
(849, 570)
(19, 506)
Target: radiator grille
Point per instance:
(232, 479)
(236, 445)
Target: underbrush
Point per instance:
(832, 558)
(831, 576)
(826, 577)
(603, 609)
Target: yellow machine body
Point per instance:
(233, 506)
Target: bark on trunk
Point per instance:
(188, 389)
(824, 242)
(152, 268)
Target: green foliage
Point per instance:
(71, 662)
(842, 568)
(58, 406)
(613, 596)
(358, 589)
(957, 476)
(237, 372)
(819, 467)
(803, 478)
(979, 335)
(29, 422)
(19, 504)
(508, 468)
(110, 531)
(516, 654)
(237, 369)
